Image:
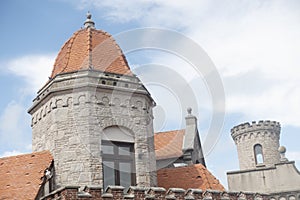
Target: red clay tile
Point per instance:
(106, 55)
(20, 176)
(168, 144)
(193, 176)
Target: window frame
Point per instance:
(256, 153)
(116, 158)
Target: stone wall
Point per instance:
(283, 177)
(265, 133)
(142, 193)
(70, 113)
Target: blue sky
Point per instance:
(254, 45)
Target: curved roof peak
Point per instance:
(90, 48)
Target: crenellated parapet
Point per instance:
(257, 143)
(255, 128)
(142, 193)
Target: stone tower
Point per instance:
(263, 165)
(257, 144)
(95, 116)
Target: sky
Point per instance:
(253, 45)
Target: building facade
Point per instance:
(95, 116)
(93, 138)
(263, 165)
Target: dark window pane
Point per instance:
(106, 149)
(124, 151)
(108, 173)
(125, 174)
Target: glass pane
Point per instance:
(259, 159)
(125, 175)
(108, 173)
(124, 151)
(258, 154)
(106, 149)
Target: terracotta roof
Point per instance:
(193, 176)
(87, 47)
(168, 144)
(20, 176)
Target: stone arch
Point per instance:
(282, 198)
(93, 99)
(81, 99)
(139, 105)
(292, 197)
(45, 111)
(105, 100)
(41, 114)
(109, 121)
(51, 106)
(117, 101)
(251, 135)
(69, 101)
(35, 118)
(118, 134)
(258, 135)
(59, 103)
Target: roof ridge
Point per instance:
(69, 49)
(71, 40)
(27, 154)
(204, 172)
(209, 176)
(89, 48)
(178, 130)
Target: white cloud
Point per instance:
(13, 126)
(257, 41)
(293, 155)
(14, 120)
(34, 69)
(254, 44)
(10, 153)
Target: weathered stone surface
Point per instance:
(265, 133)
(78, 109)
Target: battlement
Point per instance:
(142, 193)
(262, 125)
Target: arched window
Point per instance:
(258, 153)
(117, 149)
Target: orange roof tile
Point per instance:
(168, 144)
(193, 176)
(20, 176)
(90, 46)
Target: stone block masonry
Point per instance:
(265, 133)
(70, 114)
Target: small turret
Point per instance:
(257, 143)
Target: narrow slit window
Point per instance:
(259, 158)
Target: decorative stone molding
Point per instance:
(114, 106)
(141, 193)
(256, 127)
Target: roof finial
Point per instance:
(189, 110)
(89, 23)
